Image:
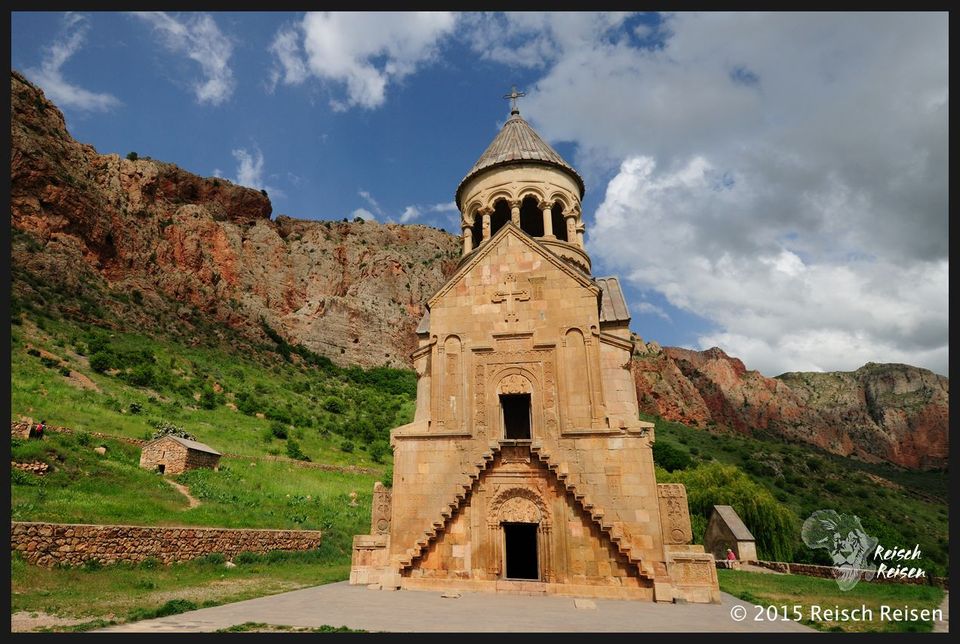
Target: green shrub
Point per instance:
(49, 363)
(378, 450)
(101, 361)
(65, 371)
(135, 408)
(334, 405)
(294, 451)
(670, 457)
(278, 429)
(347, 446)
(166, 428)
(132, 156)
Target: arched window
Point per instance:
(500, 216)
(476, 230)
(559, 222)
(531, 217)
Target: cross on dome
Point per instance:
(513, 96)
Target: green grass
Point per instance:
(123, 593)
(804, 592)
(803, 478)
(84, 487)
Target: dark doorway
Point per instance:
(520, 541)
(161, 467)
(516, 415)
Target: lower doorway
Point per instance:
(520, 550)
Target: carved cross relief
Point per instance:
(510, 295)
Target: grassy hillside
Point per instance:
(250, 403)
(901, 508)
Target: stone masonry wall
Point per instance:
(49, 544)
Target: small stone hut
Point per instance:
(726, 530)
(173, 455)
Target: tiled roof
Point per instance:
(613, 308)
(517, 142)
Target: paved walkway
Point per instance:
(358, 607)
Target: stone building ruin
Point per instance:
(174, 455)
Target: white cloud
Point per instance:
(535, 39)
(50, 77)
(364, 214)
(783, 176)
(361, 52)
(250, 171)
(289, 65)
(198, 38)
(449, 206)
(366, 196)
(409, 214)
(646, 308)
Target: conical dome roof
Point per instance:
(517, 142)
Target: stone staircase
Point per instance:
(613, 528)
(462, 490)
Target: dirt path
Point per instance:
(185, 491)
(944, 626)
(24, 621)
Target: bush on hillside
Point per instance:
(670, 457)
(165, 428)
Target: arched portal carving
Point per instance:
(518, 505)
(514, 384)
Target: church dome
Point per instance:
(517, 143)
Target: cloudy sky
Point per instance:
(772, 184)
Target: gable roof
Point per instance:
(189, 444)
(510, 228)
(613, 308)
(732, 519)
(517, 142)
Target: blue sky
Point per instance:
(771, 184)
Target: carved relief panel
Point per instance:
(674, 513)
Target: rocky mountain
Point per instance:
(144, 244)
(880, 412)
(190, 246)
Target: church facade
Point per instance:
(526, 468)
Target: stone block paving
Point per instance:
(358, 607)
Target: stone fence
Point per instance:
(827, 572)
(68, 544)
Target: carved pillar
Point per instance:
(467, 239)
(515, 212)
(547, 219)
(580, 229)
(571, 226)
(486, 212)
(436, 382)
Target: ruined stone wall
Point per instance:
(49, 544)
(828, 572)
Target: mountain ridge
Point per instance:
(184, 246)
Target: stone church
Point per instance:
(526, 468)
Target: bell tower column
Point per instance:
(467, 238)
(547, 219)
